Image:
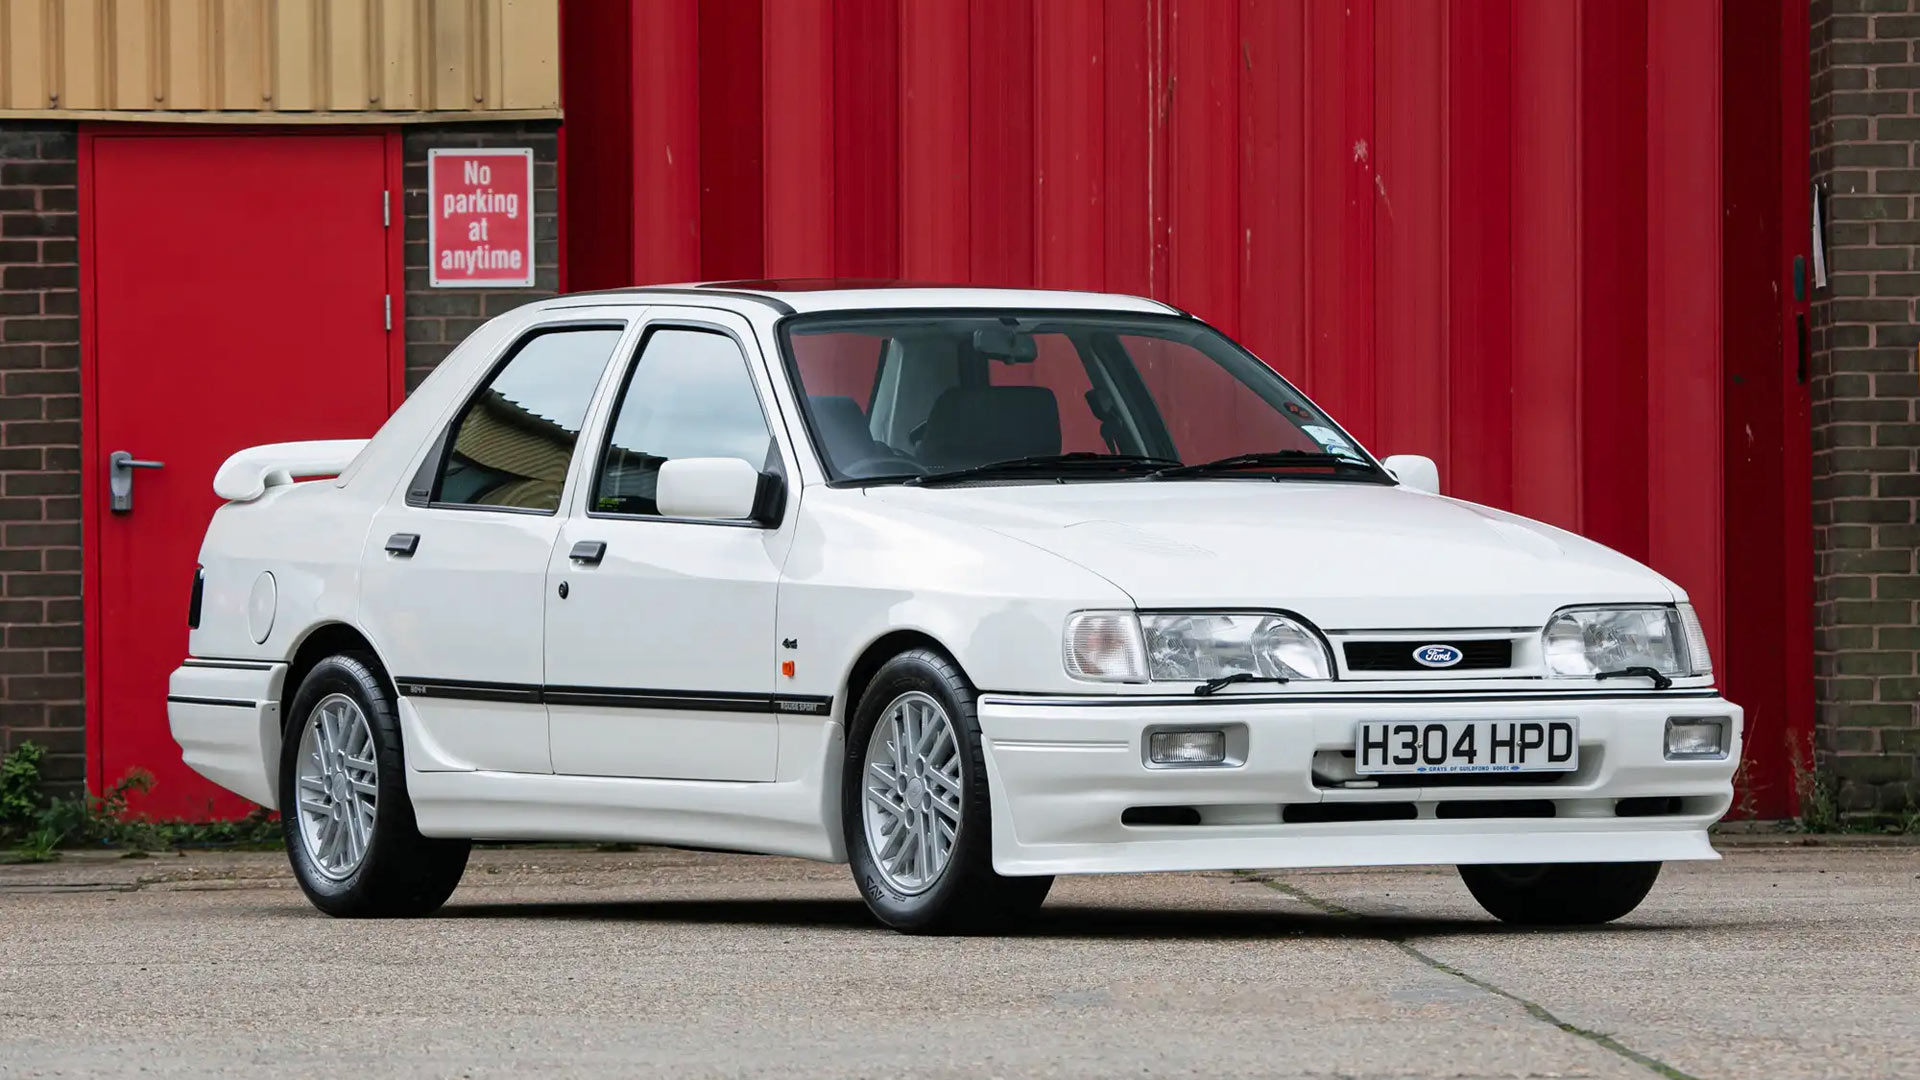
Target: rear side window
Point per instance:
(688, 395)
(510, 447)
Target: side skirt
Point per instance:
(798, 817)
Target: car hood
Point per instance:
(1345, 556)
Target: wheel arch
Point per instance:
(866, 664)
(880, 650)
(319, 642)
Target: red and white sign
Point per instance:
(480, 218)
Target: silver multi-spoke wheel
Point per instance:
(911, 792)
(339, 782)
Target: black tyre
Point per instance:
(1560, 894)
(915, 805)
(343, 801)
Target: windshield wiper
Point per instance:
(1266, 459)
(1077, 462)
(1660, 681)
(1224, 681)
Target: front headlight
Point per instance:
(1120, 646)
(1583, 642)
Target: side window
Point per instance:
(688, 394)
(511, 444)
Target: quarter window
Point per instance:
(513, 442)
(688, 394)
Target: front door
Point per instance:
(238, 297)
(660, 657)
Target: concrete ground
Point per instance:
(1782, 961)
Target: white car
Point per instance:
(964, 587)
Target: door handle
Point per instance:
(588, 552)
(403, 544)
(120, 466)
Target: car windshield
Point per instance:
(914, 397)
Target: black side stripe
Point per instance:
(225, 703)
(229, 665)
(617, 697)
(467, 690)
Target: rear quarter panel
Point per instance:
(308, 537)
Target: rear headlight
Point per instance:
(193, 602)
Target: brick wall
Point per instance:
(40, 659)
(1866, 78)
(439, 319)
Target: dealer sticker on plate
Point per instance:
(1466, 746)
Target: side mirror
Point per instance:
(717, 489)
(1414, 471)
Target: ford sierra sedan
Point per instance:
(966, 588)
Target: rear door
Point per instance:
(453, 579)
(661, 656)
(223, 322)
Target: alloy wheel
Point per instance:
(911, 793)
(338, 784)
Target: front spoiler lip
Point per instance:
(1017, 699)
(1063, 774)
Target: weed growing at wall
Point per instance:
(37, 828)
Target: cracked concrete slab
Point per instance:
(667, 963)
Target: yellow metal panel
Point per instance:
(242, 59)
(296, 39)
(528, 51)
(81, 27)
(451, 62)
(187, 58)
(349, 52)
(255, 60)
(131, 77)
(397, 77)
(24, 41)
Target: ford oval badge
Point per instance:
(1436, 656)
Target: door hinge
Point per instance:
(386, 209)
(387, 302)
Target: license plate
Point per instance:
(1466, 746)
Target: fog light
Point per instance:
(1696, 737)
(1187, 747)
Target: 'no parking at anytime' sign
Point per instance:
(480, 218)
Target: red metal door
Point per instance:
(236, 296)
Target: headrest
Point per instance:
(975, 425)
(842, 428)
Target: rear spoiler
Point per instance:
(248, 474)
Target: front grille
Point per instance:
(1464, 780)
(1495, 808)
(1479, 655)
(1322, 813)
(1647, 806)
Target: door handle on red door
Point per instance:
(120, 466)
(588, 552)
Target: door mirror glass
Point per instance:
(1415, 471)
(715, 488)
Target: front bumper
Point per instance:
(1064, 772)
